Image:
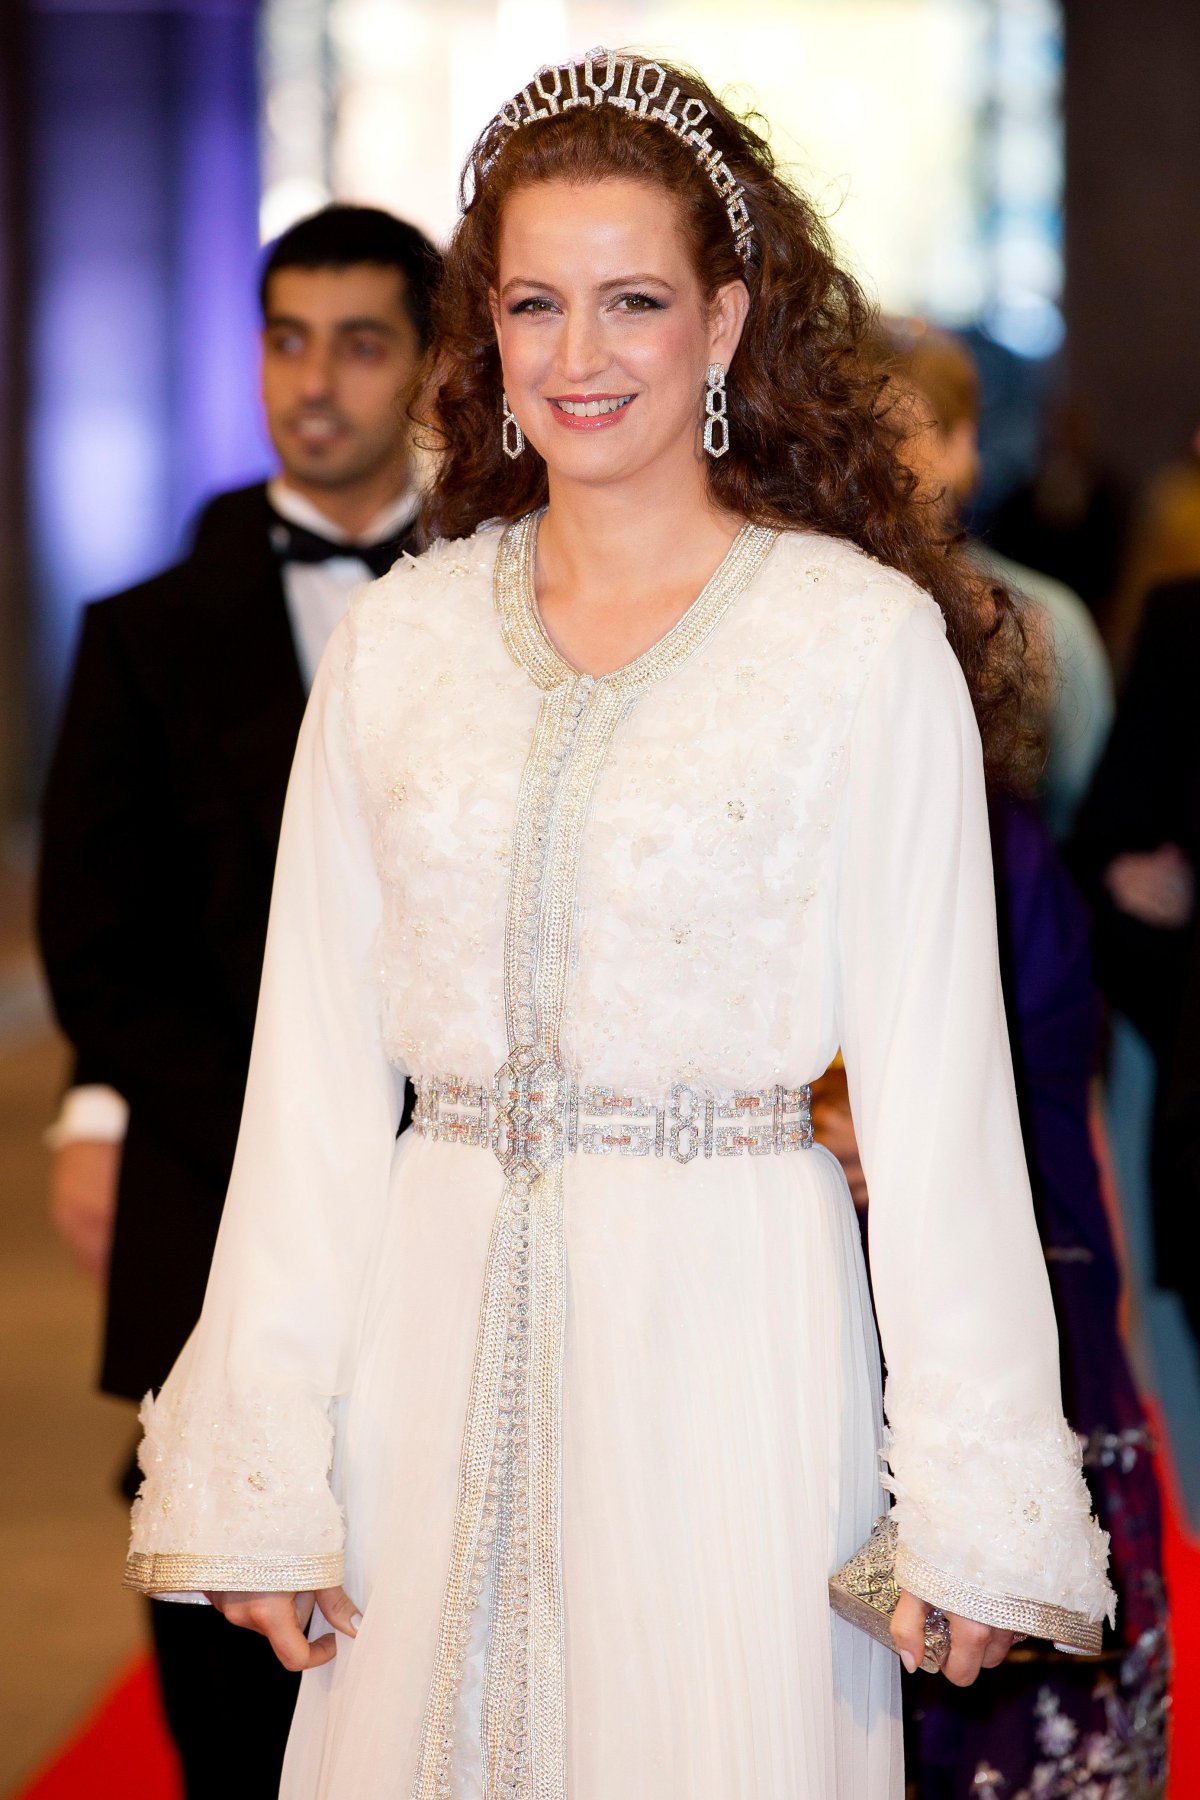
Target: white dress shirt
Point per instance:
(317, 596)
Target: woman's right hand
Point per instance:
(283, 1619)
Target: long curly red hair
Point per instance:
(812, 436)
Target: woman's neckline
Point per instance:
(531, 645)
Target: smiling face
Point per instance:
(339, 352)
(605, 333)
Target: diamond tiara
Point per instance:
(603, 77)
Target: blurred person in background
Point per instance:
(1047, 1724)
(1137, 850)
(161, 821)
(1070, 520)
(938, 393)
(1051, 1725)
(1164, 547)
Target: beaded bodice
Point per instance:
(698, 948)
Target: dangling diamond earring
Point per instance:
(716, 423)
(511, 435)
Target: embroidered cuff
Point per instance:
(999, 1497)
(178, 1572)
(1068, 1631)
(236, 1496)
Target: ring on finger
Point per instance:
(937, 1640)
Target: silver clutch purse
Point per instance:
(865, 1593)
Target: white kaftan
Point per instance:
(594, 1427)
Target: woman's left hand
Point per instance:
(972, 1646)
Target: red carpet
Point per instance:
(121, 1751)
(1181, 1557)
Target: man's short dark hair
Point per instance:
(340, 236)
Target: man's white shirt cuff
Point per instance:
(95, 1113)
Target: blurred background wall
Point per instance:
(1025, 170)
(1131, 204)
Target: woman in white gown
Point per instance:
(574, 1389)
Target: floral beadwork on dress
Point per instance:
(1122, 1758)
(247, 1478)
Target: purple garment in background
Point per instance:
(1049, 1727)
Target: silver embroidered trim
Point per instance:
(507, 1528)
(171, 1572)
(1066, 1630)
(529, 646)
(530, 1117)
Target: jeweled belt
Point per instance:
(532, 1117)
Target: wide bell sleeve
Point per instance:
(993, 1516)
(238, 1443)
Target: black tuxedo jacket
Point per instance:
(1146, 792)
(161, 824)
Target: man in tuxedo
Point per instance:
(161, 821)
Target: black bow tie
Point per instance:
(295, 543)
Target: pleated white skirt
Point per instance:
(720, 1457)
